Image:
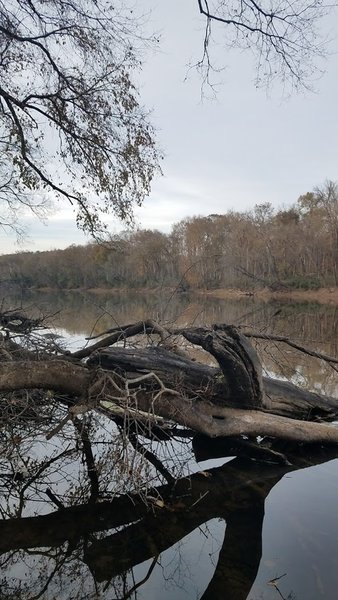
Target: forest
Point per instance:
(294, 247)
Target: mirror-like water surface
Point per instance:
(74, 526)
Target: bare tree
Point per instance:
(285, 37)
(326, 198)
(71, 125)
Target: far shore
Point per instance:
(321, 295)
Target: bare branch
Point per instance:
(71, 57)
(284, 37)
(292, 344)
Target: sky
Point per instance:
(243, 147)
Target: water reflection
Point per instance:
(79, 312)
(116, 548)
(74, 524)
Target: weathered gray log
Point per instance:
(289, 400)
(208, 383)
(238, 382)
(238, 361)
(185, 375)
(211, 401)
(220, 421)
(242, 370)
(57, 375)
(200, 415)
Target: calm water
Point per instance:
(240, 530)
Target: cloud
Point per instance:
(56, 233)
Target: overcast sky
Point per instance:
(245, 147)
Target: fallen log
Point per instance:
(230, 401)
(200, 415)
(208, 383)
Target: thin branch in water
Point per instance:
(150, 456)
(82, 429)
(142, 581)
(285, 340)
(54, 498)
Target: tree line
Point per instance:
(291, 247)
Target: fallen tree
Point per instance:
(158, 384)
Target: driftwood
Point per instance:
(13, 321)
(150, 383)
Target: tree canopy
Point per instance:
(71, 121)
(286, 249)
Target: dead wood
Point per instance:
(238, 361)
(200, 415)
(197, 380)
(122, 333)
(292, 344)
(17, 322)
(149, 384)
(57, 375)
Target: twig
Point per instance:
(142, 581)
(122, 333)
(54, 499)
(150, 456)
(285, 340)
(77, 409)
(199, 499)
(82, 430)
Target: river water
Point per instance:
(236, 529)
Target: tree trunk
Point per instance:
(57, 375)
(230, 401)
(195, 379)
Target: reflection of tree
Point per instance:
(72, 537)
(224, 494)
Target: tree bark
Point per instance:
(208, 383)
(57, 375)
(200, 415)
(229, 401)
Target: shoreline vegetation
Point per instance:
(320, 296)
(264, 253)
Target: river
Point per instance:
(243, 530)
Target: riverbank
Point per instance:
(322, 295)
